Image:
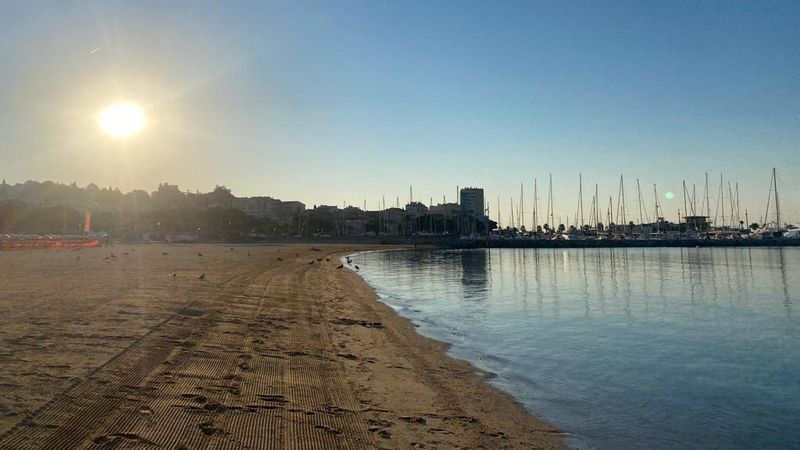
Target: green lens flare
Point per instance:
(669, 195)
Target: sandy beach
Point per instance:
(274, 347)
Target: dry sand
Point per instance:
(268, 351)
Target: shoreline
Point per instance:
(273, 347)
(489, 404)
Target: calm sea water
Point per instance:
(622, 348)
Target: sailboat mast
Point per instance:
(684, 198)
(738, 211)
(621, 204)
(624, 209)
(535, 205)
(777, 205)
(722, 199)
(731, 203)
(769, 199)
(522, 204)
(498, 212)
(550, 201)
(656, 217)
(580, 194)
(596, 207)
(511, 200)
(639, 193)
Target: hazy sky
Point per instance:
(341, 101)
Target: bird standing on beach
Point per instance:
(199, 254)
(357, 268)
(202, 277)
(340, 266)
(312, 262)
(174, 275)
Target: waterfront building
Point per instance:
(472, 203)
(697, 223)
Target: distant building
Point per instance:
(257, 206)
(355, 227)
(697, 223)
(416, 209)
(472, 202)
(446, 209)
(269, 207)
(392, 221)
(288, 211)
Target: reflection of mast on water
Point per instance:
(600, 290)
(644, 285)
(787, 301)
(585, 282)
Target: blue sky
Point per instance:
(334, 102)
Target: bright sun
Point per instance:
(121, 120)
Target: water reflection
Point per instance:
(474, 271)
(703, 277)
(692, 347)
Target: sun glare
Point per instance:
(121, 120)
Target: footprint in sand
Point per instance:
(209, 428)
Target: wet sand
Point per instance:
(274, 348)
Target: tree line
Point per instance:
(55, 208)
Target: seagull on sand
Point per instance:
(340, 266)
(199, 254)
(174, 275)
(202, 277)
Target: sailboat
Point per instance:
(771, 230)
